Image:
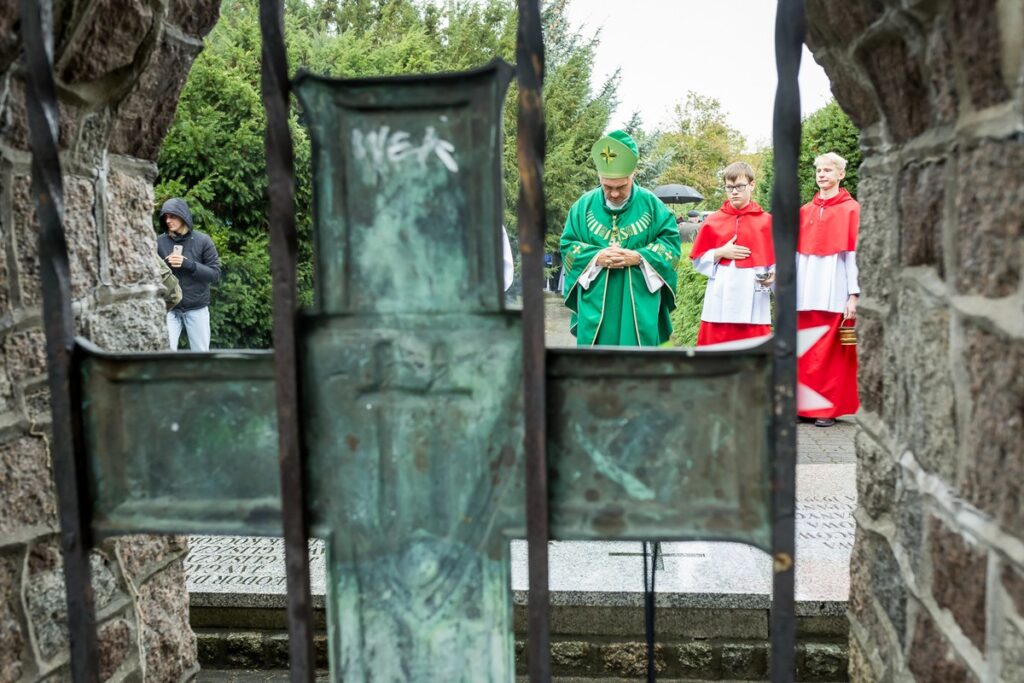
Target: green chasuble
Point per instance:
(617, 308)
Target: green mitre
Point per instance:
(615, 155)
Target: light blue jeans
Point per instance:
(197, 326)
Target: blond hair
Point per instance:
(839, 162)
(738, 168)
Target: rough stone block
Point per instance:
(744, 660)
(12, 640)
(275, 651)
(1012, 653)
(837, 23)
(9, 43)
(695, 657)
(170, 645)
(26, 487)
(875, 572)
(855, 99)
(195, 17)
(981, 60)
(932, 658)
(958, 579)
(148, 111)
(106, 585)
(129, 228)
(37, 405)
(114, 642)
(823, 662)
(45, 603)
(923, 406)
(942, 73)
(5, 277)
(244, 650)
(871, 354)
(1013, 582)
(989, 217)
(105, 38)
(45, 598)
(79, 231)
(571, 654)
(630, 659)
(896, 75)
(135, 325)
(210, 649)
(14, 118)
(921, 188)
(910, 526)
(860, 668)
(876, 477)
(25, 354)
(879, 229)
(8, 401)
(994, 478)
(141, 555)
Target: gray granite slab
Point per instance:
(249, 572)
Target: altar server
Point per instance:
(828, 291)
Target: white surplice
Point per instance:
(730, 296)
(824, 283)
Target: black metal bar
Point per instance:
(789, 38)
(58, 322)
(530, 70)
(283, 250)
(650, 549)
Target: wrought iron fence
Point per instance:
(64, 356)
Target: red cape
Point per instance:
(829, 226)
(752, 227)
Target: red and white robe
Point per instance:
(733, 308)
(826, 276)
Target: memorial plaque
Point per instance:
(608, 573)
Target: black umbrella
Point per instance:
(678, 194)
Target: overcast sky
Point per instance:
(718, 48)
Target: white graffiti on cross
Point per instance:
(386, 147)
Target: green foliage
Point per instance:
(575, 117)
(689, 300)
(213, 154)
(700, 144)
(828, 129)
(654, 156)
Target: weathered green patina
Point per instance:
(412, 403)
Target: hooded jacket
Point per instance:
(201, 266)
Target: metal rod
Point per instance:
(283, 250)
(530, 70)
(58, 323)
(789, 38)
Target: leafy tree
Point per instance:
(575, 117)
(828, 129)
(654, 157)
(701, 143)
(213, 154)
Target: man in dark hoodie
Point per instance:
(194, 261)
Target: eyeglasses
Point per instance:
(735, 188)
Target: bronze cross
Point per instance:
(412, 403)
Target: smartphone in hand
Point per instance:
(176, 250)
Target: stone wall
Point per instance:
(120, 66)
(938, 566)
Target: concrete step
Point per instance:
(587, 644)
